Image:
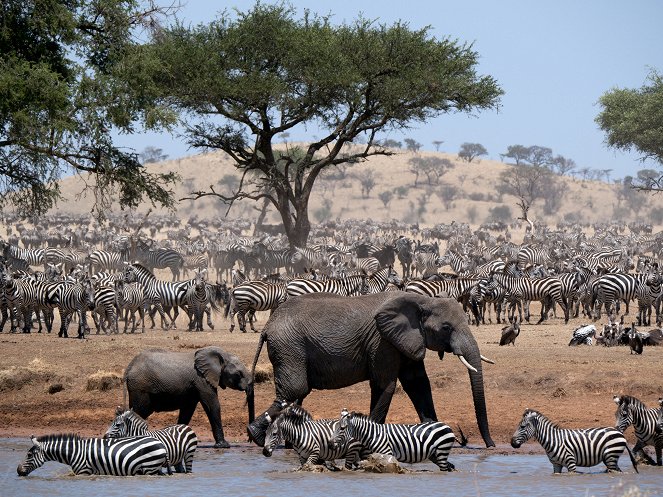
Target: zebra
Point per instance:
(312, 440)
(572, 448)
(380, 279)
(631, 411)
(197, 300)
(104, 313)
(197, 262)
(160, 258)
(161, 294)
(409, 443)
(73, 298)
(34, 257)
(614, 287)
(545, 290)
(102, 260)
(649, 294)
(348, 286)
(180, 440)
(97, 456)
(130, 298)
(405, 254)
(252, 296)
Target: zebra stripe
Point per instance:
(544, 290)
(350, 285)
(34, 257)
(614, 287)
(74, 297)
(180, 440)
(160, 258)
(407, 443)
(102, 260)
(572, 448)
(312, 440)
(380, 279)
(253, 296)
(130, 298)
(631, 411)
(97, 456)
(196, 299)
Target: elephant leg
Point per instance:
(381, 396)
(416, 385)
(213, 410)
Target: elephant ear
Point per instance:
(209, 363)
(399, 322)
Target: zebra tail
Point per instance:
(227, 309)
(635, 464)
(263, 335)
(462, 441)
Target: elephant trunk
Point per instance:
(471, 358)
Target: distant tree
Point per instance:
(412, 145)
(386, 197)
(584, 173)
(500, 213)
(540, 156)
(606, 174)
(229, 183)
(431, 167)
(152, 154)
(437, 143)
(472, 214)
(632, 119)
(470, 151)
(447, 194)
(563, 166)
(367, 177)
(401, 191)
(518, 153)
(389, 143)
(324, 212)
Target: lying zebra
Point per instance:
(180, 440)
(97, 456)
(631, 411)
(572, 448)
(407, 443)
(312, 440)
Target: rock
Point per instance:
(380, 463)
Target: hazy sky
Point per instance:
(553, 60)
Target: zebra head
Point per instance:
(119, 427)
(526, 429)
(393, 278)
(342, 429)
(34, 459)
(624, 413)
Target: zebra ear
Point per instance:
(617, 399)
(398, 321)
(119, 410)
(209, 362)
(33, 439)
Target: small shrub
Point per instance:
(103, 381)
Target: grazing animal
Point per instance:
(312, 440)
(407, 443)
(511, 332)
(572, 448)
(97, 456)
(631, 411)
(180, 440)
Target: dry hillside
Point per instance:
(475, 183)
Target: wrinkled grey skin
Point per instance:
(160, 380)
(324, 341)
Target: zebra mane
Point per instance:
(296, 414)
(629, 400)
(133, 419)
(541, 417)
(57, 437)
(142, 269)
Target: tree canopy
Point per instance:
(632, 119)
(248, 77)
(60, 102)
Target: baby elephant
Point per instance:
(572, 448)
(407, 443)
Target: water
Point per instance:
(242, 470)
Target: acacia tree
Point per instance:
(470, 151)
(60, 102)
(243, 79)
(632, 119)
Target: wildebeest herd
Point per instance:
(353, 280)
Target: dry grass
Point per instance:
(16, 377)
(103, 381)
(263, 373)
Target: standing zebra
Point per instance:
(197, 300)
(614, 287)
(160, 258)
(312, 440)
(102, 260)
(180, 440)
(528, 289)
(350, 285)
(407, 443)
(130, 298)
(252, 296)
(74, 298)
(631, 411)
(97, 456)
(571, 448)
(34, 257)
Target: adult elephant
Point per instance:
(325, 341)
(160, 380)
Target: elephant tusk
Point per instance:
(467, 364)
(485, 359)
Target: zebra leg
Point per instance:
(441, 458)
(611, 461)
(208, 312)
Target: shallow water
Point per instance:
(242, 470)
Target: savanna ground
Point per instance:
(573, 386)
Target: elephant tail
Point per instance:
(263, 335)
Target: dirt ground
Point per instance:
(573, 386)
